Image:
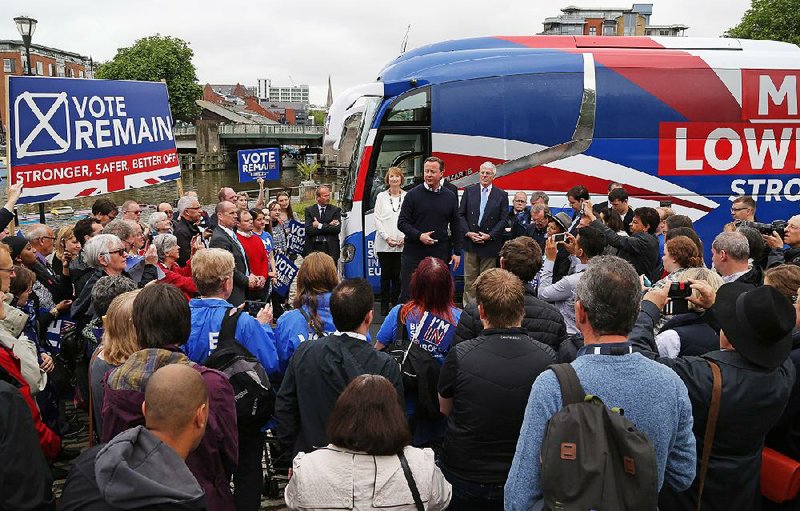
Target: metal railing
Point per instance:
(184, 131)
(253, 129)
(269, 129)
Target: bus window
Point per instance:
(405, 149)
(414, 109)
(353, 140)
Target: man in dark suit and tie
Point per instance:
(484, 216)
(323, 224)
(224, 237)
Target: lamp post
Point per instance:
(26, 27)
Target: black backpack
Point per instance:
(419, 370)
(593, 457)
(255, 398)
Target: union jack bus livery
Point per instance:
(695, 122)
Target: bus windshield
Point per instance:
(354, 138)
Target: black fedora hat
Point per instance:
(757, 322)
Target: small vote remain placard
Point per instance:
(259, 163)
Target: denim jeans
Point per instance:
(473, 496)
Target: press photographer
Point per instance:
(777, 239)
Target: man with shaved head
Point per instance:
(145, 467)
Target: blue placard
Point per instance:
(74, 138)
(295, 237)
(255, 163)
(285, 271)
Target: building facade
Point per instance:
(45, 61)
(284, 94)
(609, 21)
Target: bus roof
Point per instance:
(506, 55)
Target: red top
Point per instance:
(257, 256)
(50, 442)
(180, 278)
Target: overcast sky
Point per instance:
(350, 40)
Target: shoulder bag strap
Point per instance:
(227, 330)
(400, 333)
(571, 388)
(410, 480)
(91, 400)
(711, 427)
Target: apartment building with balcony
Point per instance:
(609, 21)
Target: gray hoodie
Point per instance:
(135, 470)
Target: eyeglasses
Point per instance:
(119, 251)
(52, 238)
(734, 210)
(9, 270)
(198, 207)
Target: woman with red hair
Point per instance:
(429, 319)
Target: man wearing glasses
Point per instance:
(744, 208)
(131, 210)
(49, 287)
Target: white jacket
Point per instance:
(386, 221)
(24, 349)
(335, 478)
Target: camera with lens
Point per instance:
(778, 226)
(678, 294)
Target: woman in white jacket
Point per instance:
(363, 466)
(388, 238)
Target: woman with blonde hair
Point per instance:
(119, 342)
(67, 248)
(389, 240)
(369, 444)
(688, 333)
(311, 316)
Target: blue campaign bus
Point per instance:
(695, 122)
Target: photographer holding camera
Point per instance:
(756, 376)
(641, 247)
(791, 236)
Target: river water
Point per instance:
(206, 184)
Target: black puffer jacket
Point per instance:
(542, 321)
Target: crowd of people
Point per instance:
(172, 336)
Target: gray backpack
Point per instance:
(593, 457)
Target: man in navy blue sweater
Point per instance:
(428, 211)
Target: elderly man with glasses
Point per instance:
(49, 287)
(131, 210)
(791, 237)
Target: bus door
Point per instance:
(402, 140)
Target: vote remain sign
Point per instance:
(255, 163)
(76, 138)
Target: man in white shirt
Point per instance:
(730, 254)
(589, 243)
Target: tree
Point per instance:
(157, 58)
(778, 20)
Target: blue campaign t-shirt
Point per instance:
(434, 334)
(267, 239)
